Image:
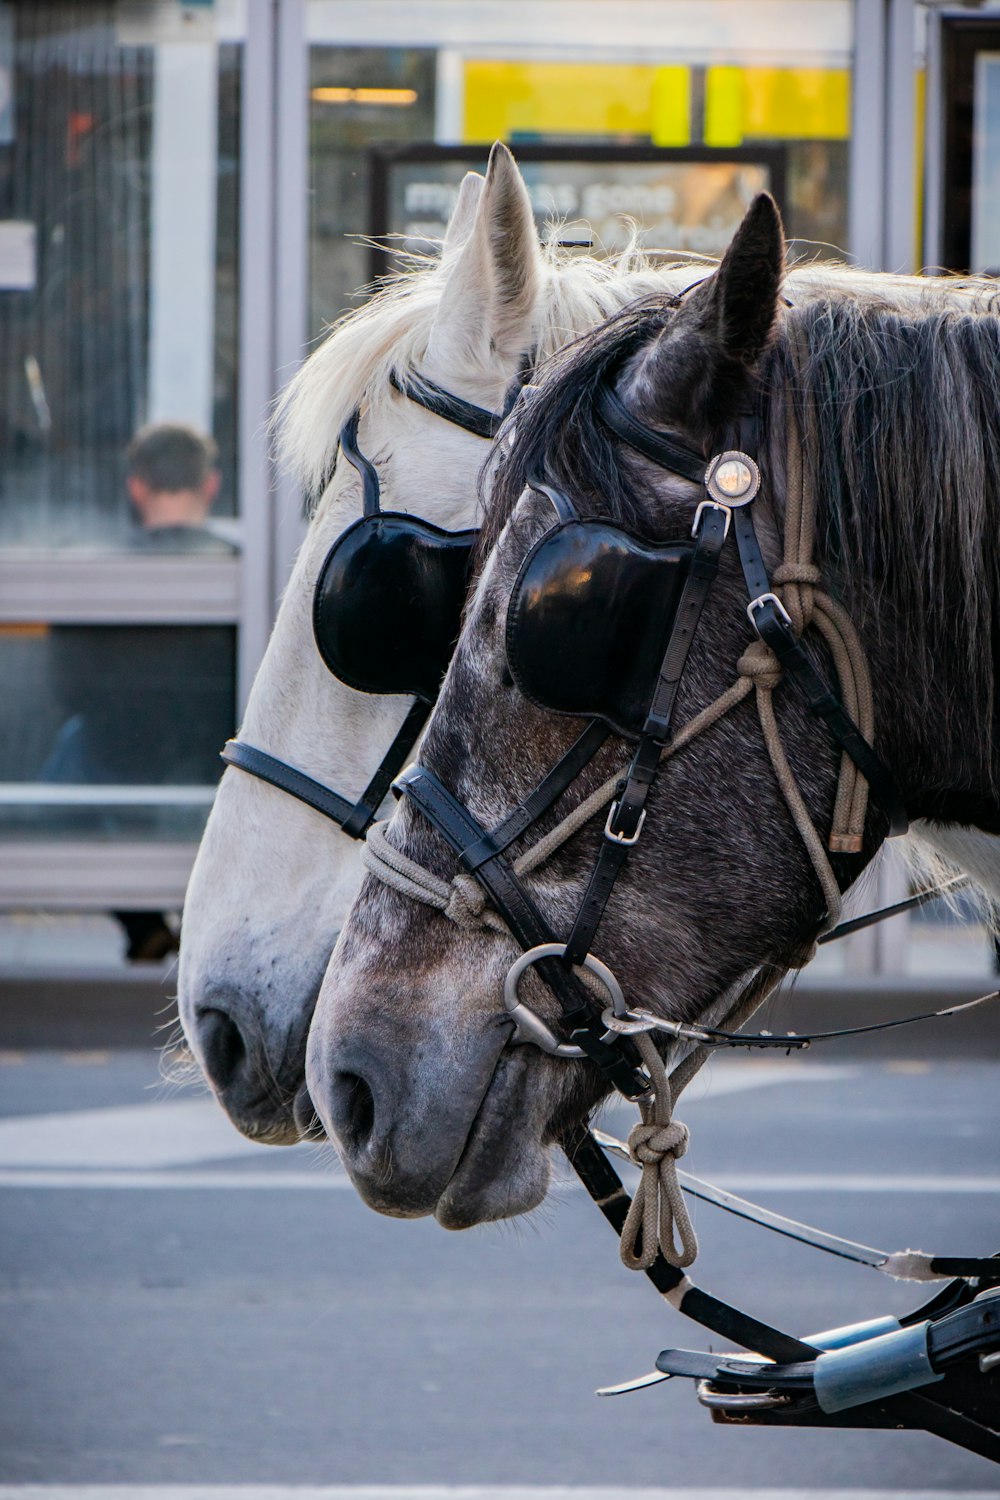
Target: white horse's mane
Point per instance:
(390, 332)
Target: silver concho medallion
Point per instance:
(732, 478)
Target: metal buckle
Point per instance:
(622, 838)
(759, 603)
(633, 1022)
(531, 1028)
(711, 505)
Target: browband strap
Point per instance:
(434, 398)
(669, 453)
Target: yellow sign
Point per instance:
(504, 100)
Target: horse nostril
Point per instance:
(355, 1111)
(307, 1121)
(223, 1047)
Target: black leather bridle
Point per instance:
(482, 853)
(355, 818)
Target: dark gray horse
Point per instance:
(894, 391)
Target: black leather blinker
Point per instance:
(388, 603)
(589, 619)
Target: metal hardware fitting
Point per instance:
(531, 1029)
(760, 601)
(621, 838)
(736, 1402)
(631, 1022)
(732, 478)
(712, 505)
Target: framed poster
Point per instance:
(970, 175)
(686, 201)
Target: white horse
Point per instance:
(273, 879)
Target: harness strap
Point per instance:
(668, 452)
(370, 490)
(605, 1188)
(366, 808)
(355, 818)
(425, 392)
(459, 829)
(625, 823)
(548, 790)
(287, 779)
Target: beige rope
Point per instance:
(658, 1214)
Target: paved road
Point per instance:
(184, 1309)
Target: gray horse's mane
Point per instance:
(900, 407)
(898, 380)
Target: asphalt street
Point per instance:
(183, 1308)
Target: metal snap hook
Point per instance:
(531, 1028)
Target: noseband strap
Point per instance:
(353, 818)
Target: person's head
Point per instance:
(172, 475)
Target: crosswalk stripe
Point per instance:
(451, 1492)
(324, 1181)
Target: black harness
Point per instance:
(386, 609)
(573, 660)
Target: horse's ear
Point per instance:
(487, 308)
(696, 370)
(464, 213)
(739, 302)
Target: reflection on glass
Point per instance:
(172, 477)
(684, 206)
(118, 245)
(140, 712)
(986, 165)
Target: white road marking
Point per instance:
(174, 1133)
(451, 1492)
(331, 1179)
(184, 1132)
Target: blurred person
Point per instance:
(172, 478)
(150, 705)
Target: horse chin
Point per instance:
(502, 1172)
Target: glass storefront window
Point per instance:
(119, 161)
(117, 729)
(771, 80)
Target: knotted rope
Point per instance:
(658, 1214)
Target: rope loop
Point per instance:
(466, 904)
(804, 573)
(658, 1218)
(760, 665)
(649, 1144)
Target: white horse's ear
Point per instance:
(487, 309)
(464, 213)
